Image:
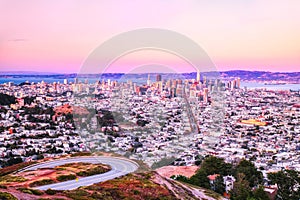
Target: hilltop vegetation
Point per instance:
(132, 186)
(7, 99)
(245, 173)
(140, 186)
(7, 196)
(249, 180)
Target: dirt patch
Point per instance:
(168, 171)
(24, 196)
(68, 109)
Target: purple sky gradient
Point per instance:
(57, 36)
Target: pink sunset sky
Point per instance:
(57, 36)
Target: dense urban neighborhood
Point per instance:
(163, 122)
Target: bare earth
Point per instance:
(168, 171)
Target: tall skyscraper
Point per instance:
(233, 84)
(238, 82)
(158, 78)
(198, 76)
(205, 95)
(160, 86)
(148, 80)
(10, 84)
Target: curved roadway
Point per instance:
(119, 167)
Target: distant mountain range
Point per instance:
(227, 75)
(262, 75)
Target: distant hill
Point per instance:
(7, 99)
(262, 75)
(226, 75)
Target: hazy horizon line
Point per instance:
(66, 73)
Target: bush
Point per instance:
(66, 177)
(81, 154)
(9, 178)
(3, 186)
(25, 190)
(36, 192)
(92, 171)
(30, 191)
(74, 165)
(77, 194)
(7, 196)
(41, 182)
(136, 192)
(51, 192)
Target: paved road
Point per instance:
(193, 121)
(119, 167)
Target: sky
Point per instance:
(58, 36)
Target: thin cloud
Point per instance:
(18, 40)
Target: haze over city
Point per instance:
(47, 36)
(161, 99)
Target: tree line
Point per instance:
(249, 180)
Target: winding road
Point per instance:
(119, 167)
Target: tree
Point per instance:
(6, 99)
(252, 175)
(288, 183)
(14, 160)
(180, 178)
(213, 165)
(241, 189)
(200, 179)
(218, 185)
(260, 194)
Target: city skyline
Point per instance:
(236, 35)
(155, 99)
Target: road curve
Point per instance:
(119, 167)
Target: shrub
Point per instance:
(51, 192)
(25, 190)
(3, 186)
(7, 196)
(92, 171)
(41, 182)
(78, 194)
(36, 192)
(66, 177)
(81, 154)
(136, 192)
(9, 178)
(30, 191)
